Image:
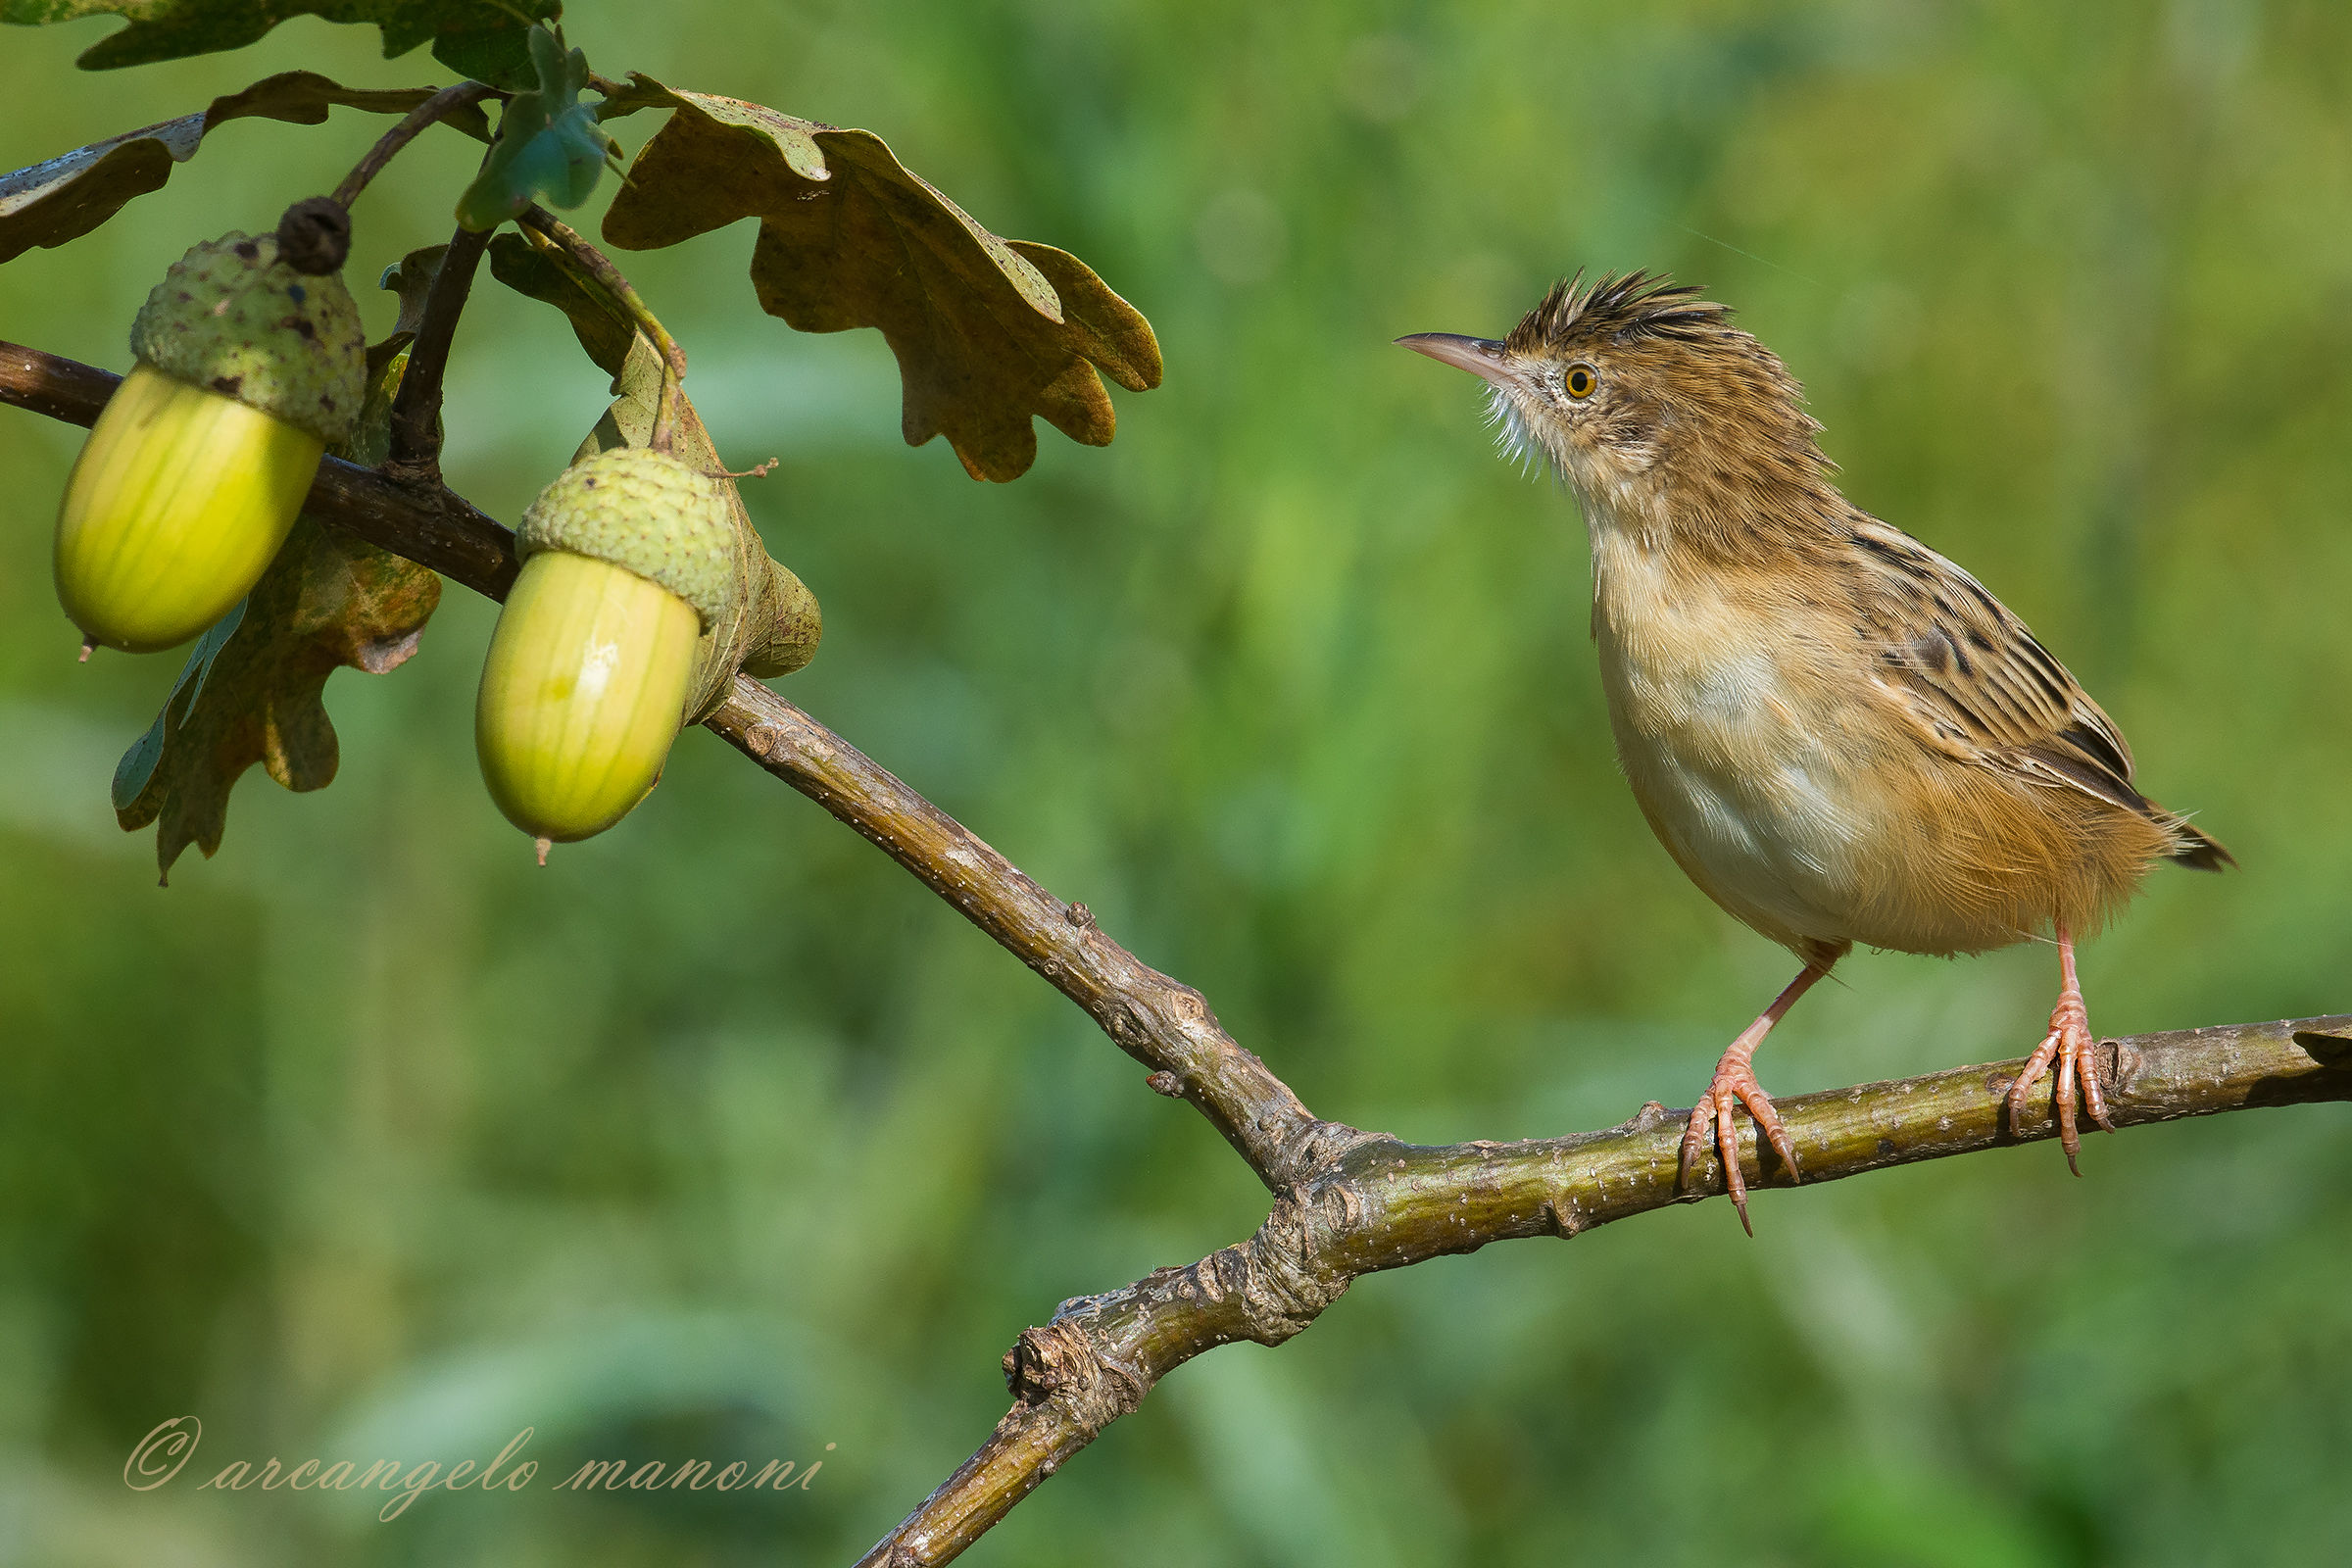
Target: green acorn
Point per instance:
(626, 558)
(248, 369)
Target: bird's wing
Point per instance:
(1983, 686)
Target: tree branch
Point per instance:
(1387, 1204)
(1346, 1203)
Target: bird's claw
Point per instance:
(1735, 1081)
(2071, 1046)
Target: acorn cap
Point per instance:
(644, 511)
(233, 316)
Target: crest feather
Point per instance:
(1617, 307)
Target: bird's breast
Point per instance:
(1730, 724)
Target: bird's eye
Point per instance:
(1581, 380)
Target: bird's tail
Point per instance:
(2196, 849)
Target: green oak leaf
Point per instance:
(549, 145)
(67, 196)
(253, 687)
(483, 38)
(988, 333)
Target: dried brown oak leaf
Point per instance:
(987, 332)
(67, 196)
(252, 691)
(482, 39)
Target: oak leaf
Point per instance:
(252, 691)
(988, 331)
(482, 39)
(550, 145)
(66, 197)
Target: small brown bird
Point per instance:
(1838, 734)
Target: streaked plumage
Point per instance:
(1838, 734)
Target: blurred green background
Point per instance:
(721, 1137)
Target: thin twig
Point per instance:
(416, 435)
(1346, 1203)
(51, 385)
(448, 101)
(608, 278)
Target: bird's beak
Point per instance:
(1481, 356)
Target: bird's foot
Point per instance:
(1734, 1082)
(2071, 1046)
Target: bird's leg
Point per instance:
(2070, 1044)
(1735, 1081)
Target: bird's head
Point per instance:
(1651, 404)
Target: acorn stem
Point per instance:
(416, 434)
(608, 281)
(440, 106)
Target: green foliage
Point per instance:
(482, 39)
(549, 144)
(988, 333)
(66, 197)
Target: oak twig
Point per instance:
(448, 101)
(416, 445)
(1346, 1203)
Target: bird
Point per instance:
(1841, 736)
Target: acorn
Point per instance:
(248, 369)
(626, 558)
